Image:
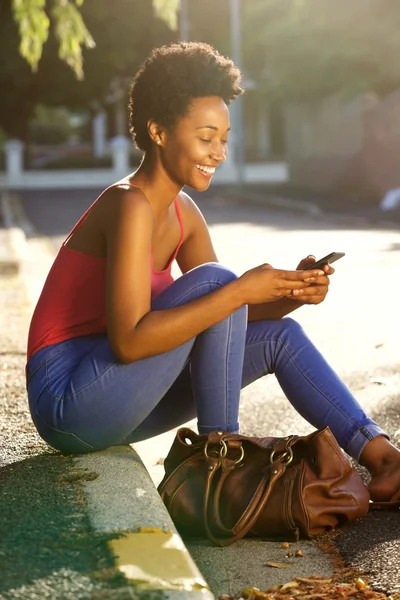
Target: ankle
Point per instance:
(379, 455)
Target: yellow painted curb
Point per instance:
(156, 559)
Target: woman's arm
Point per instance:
(135, 332)
(198, 249)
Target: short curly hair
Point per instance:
(170, 78)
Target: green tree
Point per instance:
(34, 18)
(305, 49)
(125, 31)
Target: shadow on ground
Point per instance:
(373, 543)
(46, 546)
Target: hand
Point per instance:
(316, 293)
(265, 284)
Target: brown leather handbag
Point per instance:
(227, 486)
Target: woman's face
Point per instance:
(197, 145)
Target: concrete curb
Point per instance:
(150, 554)
(120, 495)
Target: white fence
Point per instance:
(16, 178)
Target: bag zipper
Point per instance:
(287, 507)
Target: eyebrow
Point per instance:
(211, 127)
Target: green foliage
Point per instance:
(302, 50)
(32, 17)
(167, 10)
(34, 25)
(72, 34)
(125, 32)
(49, 126)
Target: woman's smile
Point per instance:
(206, 171)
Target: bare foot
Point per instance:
(385, 486)
(382, 460)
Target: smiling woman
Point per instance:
(118, 351)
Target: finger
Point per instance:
(306, 262)
(328, 269)
(308, 299)
(288, 285)
(323, 280)
(318, 291)
(291, 293)
(300, 275)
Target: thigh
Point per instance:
(107, 400)
(174, 409)
(101, 400)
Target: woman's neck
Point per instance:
(155, 183)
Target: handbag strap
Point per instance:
(390, 505)
(252, 511)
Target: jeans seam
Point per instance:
(59, 399)
(73, 394)
(63, 432)
(305, 377)
(216, 283)
(226, 371)
(43, 364)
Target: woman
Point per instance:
(119, 352)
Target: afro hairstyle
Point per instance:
(171, 78)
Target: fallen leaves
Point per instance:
(278, 565)
(306, 588)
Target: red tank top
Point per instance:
(72, 302)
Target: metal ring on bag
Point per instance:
(222, 453)
(238, 461)
(286, 457)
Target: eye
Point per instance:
(204, 140)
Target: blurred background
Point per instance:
(321, 113)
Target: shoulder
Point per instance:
(124, 194)
(122, 200)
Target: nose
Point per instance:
(219, 151)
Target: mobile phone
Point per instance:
(327, 260)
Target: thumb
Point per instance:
(307, 262)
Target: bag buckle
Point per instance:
(238, 462)
(286, 456)
(221, 454)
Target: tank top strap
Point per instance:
(178, 212)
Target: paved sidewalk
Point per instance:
(342, 209)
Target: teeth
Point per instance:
(206, 169)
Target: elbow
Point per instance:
(122, 351)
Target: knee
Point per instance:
(291, 326)
(214, 273)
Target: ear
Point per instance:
(156, 132)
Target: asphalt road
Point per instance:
(357, 328)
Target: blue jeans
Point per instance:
(82, 399)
